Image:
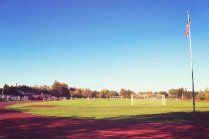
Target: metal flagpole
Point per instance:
(190, 42)
(2, 93)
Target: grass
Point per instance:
(105, 109)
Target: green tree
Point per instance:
(177, 93)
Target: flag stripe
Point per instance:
(187, 29)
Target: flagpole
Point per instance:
(191, 61)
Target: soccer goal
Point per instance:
(151, 100)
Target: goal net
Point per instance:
(148, 100)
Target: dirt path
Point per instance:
(14, 124)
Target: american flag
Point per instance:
(187, 29)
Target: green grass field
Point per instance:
(105, 109)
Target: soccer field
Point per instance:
(107, 109)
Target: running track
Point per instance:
(14, 124)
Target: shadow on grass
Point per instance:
(172, 117)
(175, 117)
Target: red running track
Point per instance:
(14, 124)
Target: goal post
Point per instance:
(163, 101)
(132, 100)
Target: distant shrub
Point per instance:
(201, 96)
(207, 96)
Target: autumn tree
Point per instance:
(163, 93)
(126, 93)
(77, 93)
(60, 89)
(86, 93)
(103, 93)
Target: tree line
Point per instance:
(59, 90)
(182, 93)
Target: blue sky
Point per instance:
(113, 44)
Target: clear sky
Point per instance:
(132, 44)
